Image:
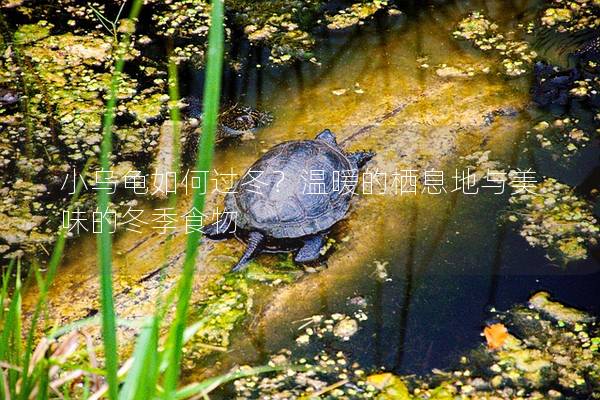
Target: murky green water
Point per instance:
(449, 260)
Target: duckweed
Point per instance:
(554, 218)
(516, 56)
(355, 14)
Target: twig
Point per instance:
(5, 384)
(329, 388)
(6, 365)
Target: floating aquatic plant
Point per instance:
(562, 135)
(571, 16)
(554, 218)
(355, 14)
(516, 56)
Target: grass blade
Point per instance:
(208, 385)
(142, 377)
(104, 241)
(45, 284)
(11, 335)
(212, 91)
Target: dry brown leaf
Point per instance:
(495, 335)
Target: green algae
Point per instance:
(516, 56)
(389, 386)
(147, 108)
(66, 76)
(228, 300)
(570, 16)
(354, 14)
(554, 218)
(27, 34)
(226, 303)
(558, 312)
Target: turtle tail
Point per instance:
(255, 241)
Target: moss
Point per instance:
(355, 14)
(33, 32)
(552, 217)
(557, 311)
(516, 56)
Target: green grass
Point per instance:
(211, 98)
(150, 373)
(104, 240)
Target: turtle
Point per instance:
(552, 85)
(234, 120)
(276, 207)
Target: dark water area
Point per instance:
(433, 311)
(447, 278)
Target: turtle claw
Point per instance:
(239, 267)
(219, 229)
(311, 250)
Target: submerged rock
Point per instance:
(557, 311)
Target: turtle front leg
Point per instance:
(220, 229)
(255, 244)
(311, 250)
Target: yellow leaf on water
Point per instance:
(495, 335)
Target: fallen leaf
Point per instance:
(495, 335)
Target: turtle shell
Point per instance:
(291, 191)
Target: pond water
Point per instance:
(450, 257)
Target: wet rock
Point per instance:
(9, 96)
(558, 312)
(552, 85)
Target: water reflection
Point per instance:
(448, 266)
(449, 258)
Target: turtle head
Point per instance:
(361, 157)
(327, 136)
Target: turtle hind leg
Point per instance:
(255, 242)
(311, 250)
